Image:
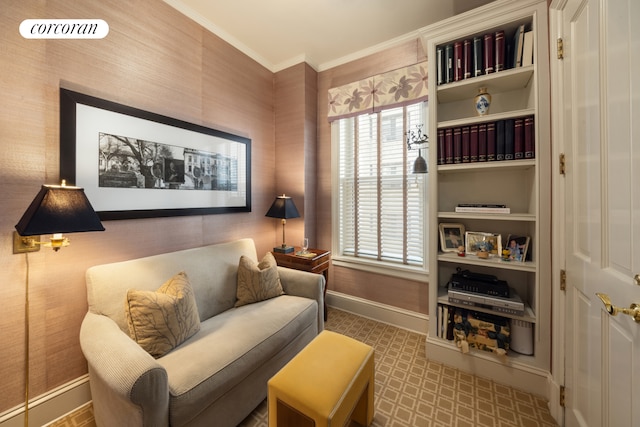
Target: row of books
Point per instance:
(486, 54)
(508, 139)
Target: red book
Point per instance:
(491, 141)
(457, 145)
(473, 143)
(518, 149)
(458, 72)
(466, 145)
(499, 50)
(441, 157)
(529, 138)
(482, 142)
(488, 53)
(467, 53)
(448, 145)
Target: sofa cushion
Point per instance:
(257, 281)
(162, 320)
(212, 269)
(230, 346)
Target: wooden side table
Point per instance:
(316, 264)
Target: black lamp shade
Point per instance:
(59, 209)
(283, 207)
(420, 165)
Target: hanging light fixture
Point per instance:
(418, 140)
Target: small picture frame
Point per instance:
(451, 237)
(518, 246)
(484, 245)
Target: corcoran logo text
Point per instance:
(64, 29)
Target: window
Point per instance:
(379, 204)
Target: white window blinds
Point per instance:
(382, 205)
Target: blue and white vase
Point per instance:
(482, 101)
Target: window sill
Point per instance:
(380, 267)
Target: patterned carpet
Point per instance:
(412, 391)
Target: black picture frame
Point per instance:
(122, 156)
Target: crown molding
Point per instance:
(274, 68)
(210, 26)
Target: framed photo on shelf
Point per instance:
(451, 237)
(478, 242)
(518, 246)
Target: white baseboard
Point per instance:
(51, 406)
(405, 319)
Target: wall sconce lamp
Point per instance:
(283, 208)
(418, 139)
(56, 209)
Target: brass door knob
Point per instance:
(636, 279)
(633, 310)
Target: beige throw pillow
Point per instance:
(162, 320)
(257, 282)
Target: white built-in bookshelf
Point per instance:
(522, 184)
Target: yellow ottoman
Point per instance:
(329, 383)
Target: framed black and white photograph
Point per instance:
(479, 242)
(518, 246)
(137, 164)
(451, 237)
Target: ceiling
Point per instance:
(324, 33)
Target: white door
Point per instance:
(600, 125)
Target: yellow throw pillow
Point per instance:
(257, 282)
(162, 320)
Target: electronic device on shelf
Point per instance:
(486, 284)
(511, 305)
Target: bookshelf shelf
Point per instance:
(502, 81)
(522, 184)
(486, 119)
(496, 262)
(514, 360)
(487, 166)
(523, 217)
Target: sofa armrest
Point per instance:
(128, 386)
(304, 284)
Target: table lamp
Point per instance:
(56, 209)
(283, 208)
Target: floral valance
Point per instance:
(386, 90)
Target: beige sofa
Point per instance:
(217, 376)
